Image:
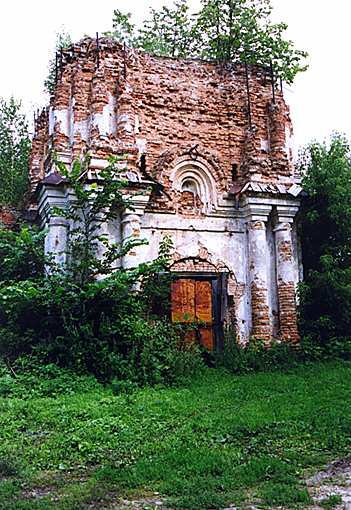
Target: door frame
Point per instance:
(219, 300)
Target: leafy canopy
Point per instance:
(15, 146)
(63, 40)
(223, 31)
(326, 241)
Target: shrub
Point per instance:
(21, 254)
(325, 311)
(255, 356)
(101, 328)
(77, 321)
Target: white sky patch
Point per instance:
(320, 97)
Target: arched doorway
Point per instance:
(199, 301)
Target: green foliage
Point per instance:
(73, 317)
(256, 357)
(27, 378)
(15, 146)
(223, 440)
(168, 32)
(122, 28)
(21, 254)
(100, 327)
(275, 494)
(242, 30)
(63, 40)
(330, 502)
(326, 242)
(90, 253)
(222, 31)
(8, 466)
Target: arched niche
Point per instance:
(195, 177)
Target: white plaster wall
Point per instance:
(297, 254)
(224, 238)
(105, 122)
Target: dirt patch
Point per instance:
(334, 480)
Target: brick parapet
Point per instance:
(134, 101)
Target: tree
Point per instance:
(74, 319)
(326, 241)
(168, 32)
(15, 146)
(242, 30)
(222, 31)
(95, 204)
(122, 28)
(63, 40)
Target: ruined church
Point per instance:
(208, 158)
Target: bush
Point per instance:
(255, 356)
(325, 311)
(77, 321)
(21, 254)
(101, 328)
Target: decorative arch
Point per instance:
(194, 154)
(195, 177)
(201, 260)
(194, 265)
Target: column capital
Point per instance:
(58, 221)
(286, 213)
(50, 197)
(138, 204)
(257, 212)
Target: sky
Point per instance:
(320, 98)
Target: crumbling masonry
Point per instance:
(208, 155)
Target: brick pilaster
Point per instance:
(258, 278)
(286, 280)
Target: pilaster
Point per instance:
(55, 244)
(286, 274)
(256, 218)
(131, 219)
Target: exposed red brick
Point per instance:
(261, 326)
(8, 217)
(178, 104)
(287, 312)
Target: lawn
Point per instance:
(221, 440)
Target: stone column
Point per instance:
(286, 274)
(258, 273)
(131, 230)
(56, 240)
(52, 196)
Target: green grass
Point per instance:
(224, 439)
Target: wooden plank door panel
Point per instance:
(203, 301)
(183, 300)
(191, 301)
(207, 338)
(204, 312)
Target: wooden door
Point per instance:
(191, 302)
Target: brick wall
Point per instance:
(163, 107)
